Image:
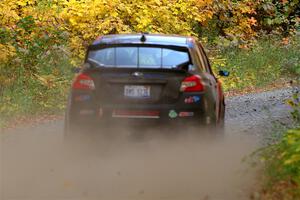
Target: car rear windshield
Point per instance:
(139, 57)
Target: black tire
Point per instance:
(221, 120)
(217, 125)
(220, 124)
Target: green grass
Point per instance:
(264, 62)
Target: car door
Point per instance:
(213, 81)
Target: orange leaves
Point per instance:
(284, 1)
(285, 41)
(252, 21)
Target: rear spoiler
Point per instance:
(162, 45)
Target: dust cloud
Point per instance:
(37, 165)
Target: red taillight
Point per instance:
(192, 84)
(83, 82)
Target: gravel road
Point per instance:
(258, 113)
(35, 165)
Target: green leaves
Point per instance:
(282, 167)
(27, 24)
(294, 103)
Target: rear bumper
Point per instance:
(164, 120)
(191, 107)
(192, 117)
(158, 112)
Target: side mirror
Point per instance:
(76, 70)
(224, 73)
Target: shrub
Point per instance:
(282, 172)
(34, 76)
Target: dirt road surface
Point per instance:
(36, 165)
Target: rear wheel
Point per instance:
(71, 133)
(221, 120)
(75, 131)
(215, 122)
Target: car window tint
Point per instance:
(200, 58)
(104, 56)
(126, 56)
(172, 58)
(149, 57)
(140, 57)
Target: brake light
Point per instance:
(192, 84)
(83, 82)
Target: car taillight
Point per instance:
(192, 84)
(83, 82)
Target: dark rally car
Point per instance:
(145, 78)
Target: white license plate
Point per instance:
(137, 91)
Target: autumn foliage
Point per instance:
(84, 20)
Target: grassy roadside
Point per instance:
(280, 160)
(269, 60)
(281, 175)
(42, 93)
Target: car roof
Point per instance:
(153, 39)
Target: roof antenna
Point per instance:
(143, 38)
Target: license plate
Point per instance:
(137, 91)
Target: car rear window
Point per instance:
(139, 57)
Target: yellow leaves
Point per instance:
(85, 20)
(204, 17)
(246, 9)
(7, 52)
(158, 2)
(47, 81)
(290, 102)
(291, 147)
(293, 159)
(73, 21)
(50, 81)
(21, 3)
(8, 13)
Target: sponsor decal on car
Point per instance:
(186, 114)
(192, 99)
(82, 98)
(173, 114)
